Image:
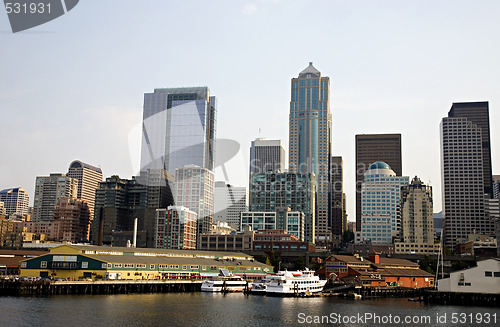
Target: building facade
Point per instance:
(119, 201)
(179, 127)
(338, 214)
(310, 138)
(71, 221)
(194, 189)
(372, 148)
(229, 202)
(88, 178)
(175, 228)
(380, 204)
(267, 155)
(15, 200)
(278, 192)
(464, 192)
(292, 222)
(417, 219)
(48, 191)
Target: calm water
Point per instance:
(204, 309)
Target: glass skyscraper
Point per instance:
(178, 128)
(310, 138)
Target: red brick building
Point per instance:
(377, 271)
(278, 240)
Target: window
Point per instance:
(128, 265)
(103, 266)
(488, 274)
(142, 266)
(213, 267)
(184, 267)
(195, 267)
(117, 265)
(23, 264)
(43, 264)
(152, 267)
(496, 274)
(85, 265)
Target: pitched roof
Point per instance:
(351, 259)
(395, 262)
(310, 70)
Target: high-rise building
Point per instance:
(478, 114)
(229, 202)
(71, 220)
(48, 191)
(88, 178)
(372, 148)
(194, 189)
(2, 209)
(119, 201)
(338, 215)
(15, 200)
(417, 219)
(292, 222)
(267, 155)
(279, 192)
(462, 159)
(380, 204)
(175, 228)
(178, 128)
(310, 138)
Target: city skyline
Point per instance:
(384, 80)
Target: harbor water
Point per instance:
(233, 309)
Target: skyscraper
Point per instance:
(178, 128)
(310, 138)
(478, 114)
(372, 148)
(71, 220)
(338, 215)
(463, 161)
(88, 178)
(194, 189)
(380, 205)
(284, 192)
(229, 202)
(267, 155)
(417, 219)
(15, 200)
(48, 191)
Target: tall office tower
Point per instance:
(71, 220)
(2, 209)
(380, 205)
(15, 200)
(48, 191)
(310, 138)
(267, 155)
(178, 128)
(478, 114)
(175, 228)
(88, 178)
(338, 215)
(229, 202)
(278, 192)
(194, 189)
(462, 157)
(417, 219)
(119, 201)
(372, 148)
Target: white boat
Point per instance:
(294, 283)
(225, 283)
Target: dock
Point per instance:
(46, 288)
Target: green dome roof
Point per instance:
(379, 165)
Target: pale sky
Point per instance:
(73, 88)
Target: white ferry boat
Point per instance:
(225, 283)
(294, 283)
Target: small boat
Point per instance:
(294, 283)
(225, 282)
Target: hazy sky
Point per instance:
(73, 88)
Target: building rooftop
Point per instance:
(310, 70)
(379, 165)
